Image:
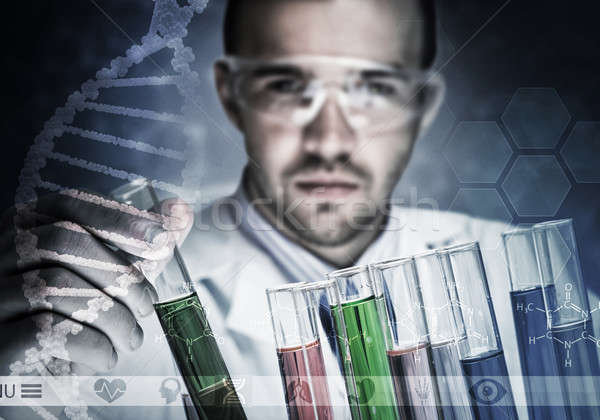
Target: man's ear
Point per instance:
(222, 75)
(433, 96)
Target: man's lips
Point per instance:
(327, 188)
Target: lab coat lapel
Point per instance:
(277, 261)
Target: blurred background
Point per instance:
(517, 138)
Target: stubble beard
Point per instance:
(328, 224)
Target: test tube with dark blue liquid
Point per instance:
(481, 354)
(568, 316)
(543, 386)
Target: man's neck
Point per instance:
(342, 255)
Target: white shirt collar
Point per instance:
(300, 264)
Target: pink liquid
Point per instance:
(414, 381)
(296, 379)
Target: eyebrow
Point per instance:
(379, 73)
(277, 69)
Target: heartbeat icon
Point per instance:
(110, 391)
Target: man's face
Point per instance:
(329, 175)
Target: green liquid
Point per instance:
(367, 360)
(198, 357)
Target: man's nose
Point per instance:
(329, 135)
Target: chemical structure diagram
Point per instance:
(189, 311)
(585, 336)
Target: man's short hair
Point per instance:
(234, 14)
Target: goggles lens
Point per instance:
(371, 95)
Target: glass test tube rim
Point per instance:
(285, 287)
(393, 262)
(540, 228)
(377, 288)
(343, 273)
(551, 223)
(321, 284)
(459, 248)
(474, 247)
(123, 194)
(520, 231)
(176, 298)
(292, 289)
(425, 254)
(376, 282)
(517, 231)
(348, 271)
(436, 252)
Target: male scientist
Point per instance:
(331, 96)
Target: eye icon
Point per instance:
(487, 391)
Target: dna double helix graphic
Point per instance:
(99, 141)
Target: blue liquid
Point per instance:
(538, 359)
(579, 369)
(489, 386)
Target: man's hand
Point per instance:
(75, 272)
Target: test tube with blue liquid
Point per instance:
(568, 316)
(446, 335)
(399, 299)
(481, 354)
(543, 388)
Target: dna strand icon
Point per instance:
(96, 138)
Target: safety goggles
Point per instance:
(371, 95)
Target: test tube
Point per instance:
(446, 334)
(543, 388)
(299, 351)
(362, 345)
(186, 327)
(567, 306)
(482, 356)
(400, 302)
(319, 294)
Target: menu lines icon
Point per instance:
(31, 390)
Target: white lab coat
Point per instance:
(232, 266)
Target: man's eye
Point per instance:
(381, 88)
(285, 86)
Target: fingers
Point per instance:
(182, 212)
(180, 216)
(91, 348)
(83, 254)
(139, 232)
(65, 293)
(146, 234)
(61, 338)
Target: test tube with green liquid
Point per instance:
(362, 345)
(186, 327)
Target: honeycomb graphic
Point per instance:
(517, 166)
